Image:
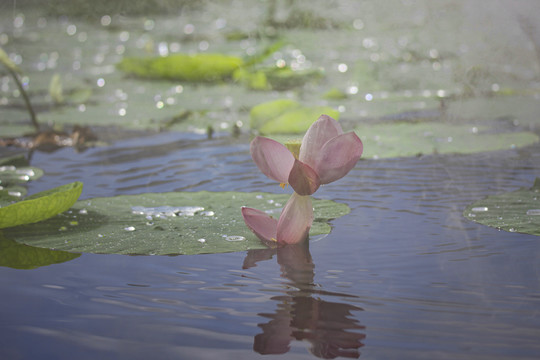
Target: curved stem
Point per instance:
(26, 99)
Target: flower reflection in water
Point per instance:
(301, 314)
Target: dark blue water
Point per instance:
(403, 276)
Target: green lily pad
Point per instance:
(183, 67)
(516, 211)
(11, 174)
(285, 116)
(19, 256)
(253, 80)
(11, 194)
(411, 139)
(15, 171)
(40, 206)
(335, 94)
(278, 78)
(15, 160)
(164, 223)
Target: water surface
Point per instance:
(403, 276)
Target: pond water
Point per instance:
(403, 276)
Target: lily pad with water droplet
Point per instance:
(14, 171)
(40, 206)
(516, 211)
(164, 223)
(411, 139)
(11, 174)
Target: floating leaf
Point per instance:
(164, 223)
(285, 78)
(10, 174)
(262, 113)
(10, 194)
(286, 116)
(254, 80)
(183, 67)
(275, 78)
(40, 206)
(19, 256)
(14, 171)
(411, 139)
(15, 160)
(335, 94)
(516, 211)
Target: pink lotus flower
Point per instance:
(291, 228)
(326, 155)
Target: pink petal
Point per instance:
(337, 157)
(295, 220)
(303, 179)
(322, 130)
(260, 223)
(272, 158)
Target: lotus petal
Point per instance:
(295, 220)
(321, 131)
(272, 158)
(303, 179)
(262, 225)
(337, 157)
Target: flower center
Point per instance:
(294, 147)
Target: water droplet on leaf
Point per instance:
(234, 238)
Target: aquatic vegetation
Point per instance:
(40, 206)
(400, 139)
(204, 67)
(335, 94)
(286, 116)
(515, 211)
(276, 78)
(80, 138)
(15, 172)
(215, 67)
(14, 71)
(163, 223)
(325, 155)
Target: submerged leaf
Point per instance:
(516, 211)
(40, 206)
(164, 223)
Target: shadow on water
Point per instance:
(301, 314)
